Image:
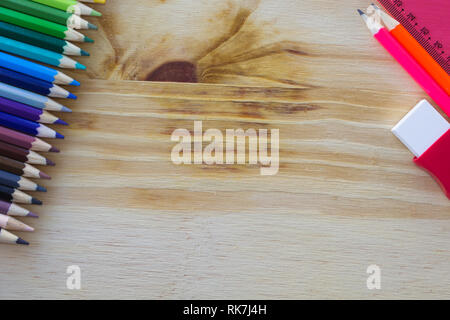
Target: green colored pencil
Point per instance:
(41, 25)
(70, 6)
(47, 13)
(40, 40)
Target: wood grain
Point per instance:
(347, 194)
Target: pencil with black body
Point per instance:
(23, 155)
(21, 169)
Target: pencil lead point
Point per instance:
(361, 13)
(59, 121)
(75, 83)
(43, 175)
(21, 241)
(59, 136)
(65, 109)
(36, 201)
(87, 39)
(33, 215)
(85, 53)
(79, 66)
(71, 96)
(92, 26)
(41, 188)
(49, 162)
(53, 149)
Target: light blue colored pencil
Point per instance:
(32, 69)
(35, 53)
(30, 98)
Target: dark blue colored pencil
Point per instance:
(14, 181)
(17, 196)
(25, 82)
(28, 127)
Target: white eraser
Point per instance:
(421, 128)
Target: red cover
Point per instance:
(436, 160)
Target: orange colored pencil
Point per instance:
(415, 50)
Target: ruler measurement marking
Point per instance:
(436, 50)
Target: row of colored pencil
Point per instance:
(43, 31)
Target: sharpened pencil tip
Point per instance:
(50, 162)
(41, 188)
(43, 175)
(95, 13)
(75, 83)
(360, 12)
(59, 136)
(21, 241)
(71, 96)
(32, 215)
(36, 201)
(59, 121)
(85, 53)
(92, 26)
(79, 66)
(53, 149)
(65, 109)
(87, 39)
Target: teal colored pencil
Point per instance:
(39, 54)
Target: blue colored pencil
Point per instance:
(30, 98)
(35, 85)
(29, 127)
(35, 70)
(24, 111)
(14, 195)
(35, 53)
(17, 182)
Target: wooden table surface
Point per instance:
(347, 194)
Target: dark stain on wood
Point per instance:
(176, 71)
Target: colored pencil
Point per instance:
(23, 155)
(28, 127)
(30, 98)
(40, 25)
(40, 40)
(415, 50)
(41, 87)
(10, 223)
(14, 181)
(27, 112)
(408, 63)
(12, 209)
(94, 1)
(35, 53)
(8, 237)
(21, 169)
(48, 13)
(24, 141)
(35, 70)
(17, 196)
(70, 6)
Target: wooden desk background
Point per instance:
(347, 194)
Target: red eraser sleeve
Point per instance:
(436, 160)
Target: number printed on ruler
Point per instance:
(428, 22)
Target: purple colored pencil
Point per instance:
(27, 112)
(12, 209)
(25, 141)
